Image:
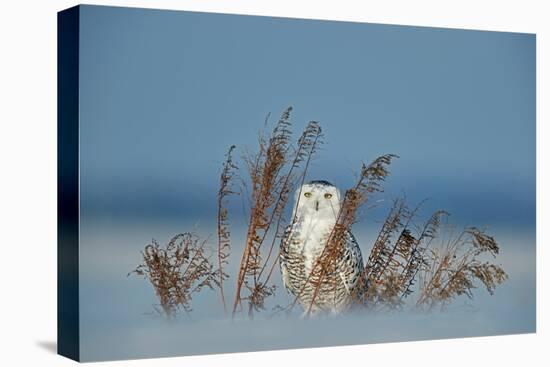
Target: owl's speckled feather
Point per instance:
(316, 209)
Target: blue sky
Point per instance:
(163, 94)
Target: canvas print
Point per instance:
(234, 183)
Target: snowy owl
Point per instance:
(315, 211)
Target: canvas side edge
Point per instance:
(68, 326)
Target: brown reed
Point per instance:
(177, 271)
(453, 269)
(224, 234)
(274, 172)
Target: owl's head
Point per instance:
(319, 198)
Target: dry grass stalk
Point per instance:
(224, 234)
(393, 266)
(177, 271)
(417, 260)
(444, 273)
(452, 270)
(274, 172)
(387, 257)
(307, 146)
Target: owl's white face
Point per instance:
(317, 198)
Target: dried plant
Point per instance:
(224, 234)
(387, 258)
(444, 272)
(417, 260)
(453, 269)
(393, 265)
(274, 172)
(177, 271)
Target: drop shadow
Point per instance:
(48, 345)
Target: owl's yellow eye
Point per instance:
(307, 194)
(328, 196)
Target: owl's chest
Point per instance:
(310, 239)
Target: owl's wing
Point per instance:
(283, 257)
(352, 263)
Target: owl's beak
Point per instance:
(317, 206)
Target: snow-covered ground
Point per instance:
(114, 307)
